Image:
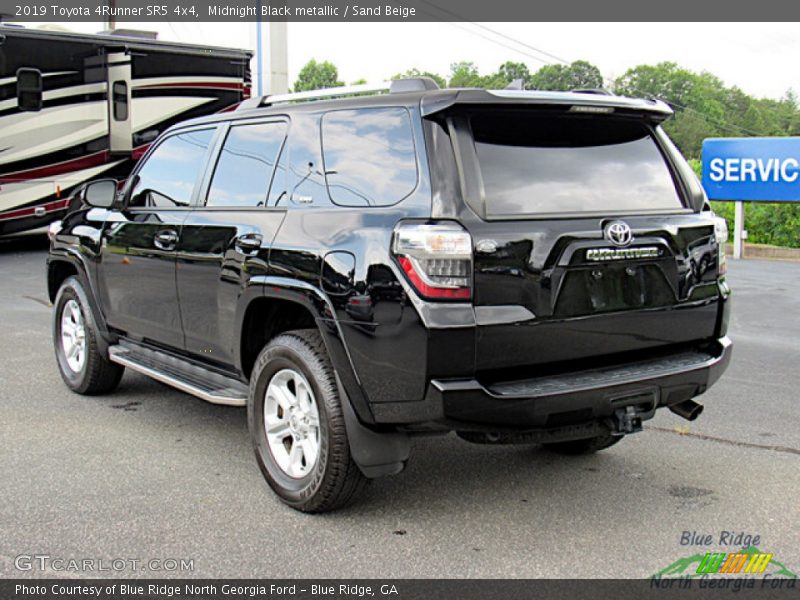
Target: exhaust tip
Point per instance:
(688, 409)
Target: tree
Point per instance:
(665, 80)
(510, 71)
(465, 74)
(411, 73)
(578, 75)
(316, 76)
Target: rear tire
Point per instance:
(83, 367)
(584, 446)
(296, 423)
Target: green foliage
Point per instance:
(316, 76)
(772, 223)
(578, 75)
(775, 223)
(465, 74)
(510, 71)
(705, 107)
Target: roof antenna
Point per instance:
(516, 84)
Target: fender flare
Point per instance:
(105, 338)
(376, 453)
(319, 305)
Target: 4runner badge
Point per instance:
(602, 254)
(618, 233)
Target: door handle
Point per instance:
(166, 239)
(249, 243)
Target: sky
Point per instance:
(760, 58)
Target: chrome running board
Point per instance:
(180, 374)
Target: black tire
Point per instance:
(584, 446)
(96, 375)
(334, 479)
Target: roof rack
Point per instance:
(398, 86)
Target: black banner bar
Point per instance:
(191, 11)
(398, 589)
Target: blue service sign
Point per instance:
(765, 169)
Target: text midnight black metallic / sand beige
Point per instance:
(369, 264)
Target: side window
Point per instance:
(119, 93)
(29, 89)
(246, 164)
(306, 178)
(369, 156)
(168, 177)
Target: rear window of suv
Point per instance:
(532, 163)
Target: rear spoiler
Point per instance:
(579, 101)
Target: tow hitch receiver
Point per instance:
(626, 420)
(631, 409)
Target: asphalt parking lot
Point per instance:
(150, 473)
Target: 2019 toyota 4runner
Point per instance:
(514, 266)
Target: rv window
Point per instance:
(29, 89)
(120, 99)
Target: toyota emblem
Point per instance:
(618, 233)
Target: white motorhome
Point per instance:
(77, 107)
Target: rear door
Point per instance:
(136, 274)
(583, 222)
(226, 239)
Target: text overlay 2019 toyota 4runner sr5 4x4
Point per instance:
(513, 266)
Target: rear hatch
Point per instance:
(582, 219)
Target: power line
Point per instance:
(732, 128)
(608, 80)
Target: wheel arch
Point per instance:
(62, 266)
(274, 305)
(58, 270)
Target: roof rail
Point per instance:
(398, 86)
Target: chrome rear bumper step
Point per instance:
(182, 375)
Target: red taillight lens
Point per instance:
(429, 291)
(436, 259)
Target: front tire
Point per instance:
(83, 367)
(296, 423)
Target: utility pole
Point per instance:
(739, 233)
(111, 22)
(272, 57)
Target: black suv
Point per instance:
(512, 266)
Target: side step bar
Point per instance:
(180, 374)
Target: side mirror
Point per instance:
(101, 193)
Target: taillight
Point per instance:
(436, 258)
(721, 234)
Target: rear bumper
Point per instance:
(567, 399)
